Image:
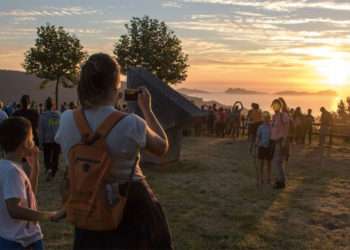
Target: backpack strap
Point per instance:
(108, 124)
(83, 125)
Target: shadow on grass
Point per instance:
(294, 220)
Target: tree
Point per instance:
(55, 57)
(150, 44)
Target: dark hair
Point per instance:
(49, 103)
(277, 101)
(255, 105)
(25, 101)
(98, 77)
(284, 104)
(13, 132)
(72, 105)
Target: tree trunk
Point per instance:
(56, 93)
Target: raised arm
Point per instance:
(156, 138)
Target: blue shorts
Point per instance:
(11, 245)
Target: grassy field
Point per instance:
(211, 200)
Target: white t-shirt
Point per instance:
(125, 140)
(3, 115)
(15, 184)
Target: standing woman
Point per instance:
(144, 225)
(279, 137)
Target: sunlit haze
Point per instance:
(261, 45)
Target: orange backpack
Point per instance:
(87, 205)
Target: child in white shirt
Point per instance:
(18, 209)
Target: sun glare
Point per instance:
(335, 71)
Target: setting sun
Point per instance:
(336, 71)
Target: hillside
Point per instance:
(199, 102)
(319, 93)
(192, 91)
(14, 84)
(240, 91)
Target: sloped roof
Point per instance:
(171, 108)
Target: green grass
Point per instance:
(211, 200)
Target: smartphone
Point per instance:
(131, 94)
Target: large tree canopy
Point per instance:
(150, 44)
(56, 56)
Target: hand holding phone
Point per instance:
(144, 100)
(131, 94)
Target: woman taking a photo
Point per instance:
(143, 225)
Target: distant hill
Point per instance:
(192, 91)
(241, 91)
(14, 84)
(199, 102)
(319, 93)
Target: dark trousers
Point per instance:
(51, 156)
(309, 134)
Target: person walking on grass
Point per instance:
(265, 150)
(298, 120)
(254, 121)
(211, 121)
(279, 136)
(325, 125)
(220, 122)
(235, 120)
(48, 126)
(19, 215)
(309, 121)
(143, 224)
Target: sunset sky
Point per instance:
(266, 45)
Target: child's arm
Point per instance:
(33, 161)
(20, 213)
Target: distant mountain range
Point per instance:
(192, 91)
(14, 84)
(328, 92)
(199, 102)
(240, 91)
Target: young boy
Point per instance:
(265, 150)
(19, 217)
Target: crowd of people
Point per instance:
(237, 122)
(221, 121)
(106, 197)
(269, 136)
